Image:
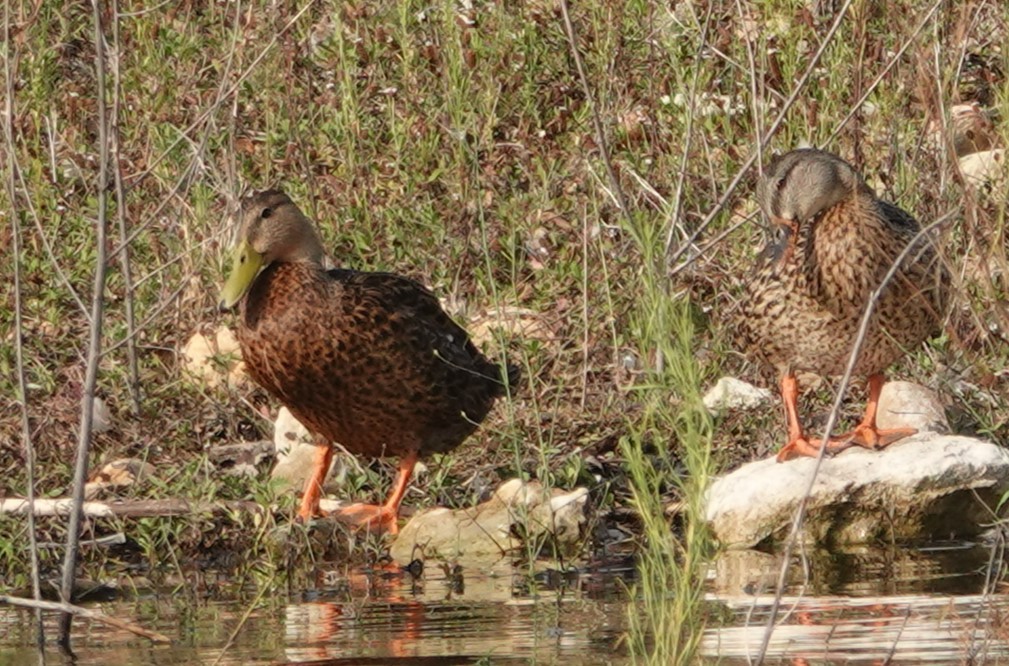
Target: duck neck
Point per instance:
(308, 250)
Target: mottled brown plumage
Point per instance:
(806, 298)
(366, 360)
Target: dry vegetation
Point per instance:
(454, 143)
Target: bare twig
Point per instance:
(117, 539)
(586, 337)
(127, 508)
(755, 99)
(597, 124)
(886, 70)
(124, 256)
(95, 342)
(771, 131)
(19, 347)
(800, 512)
(688, 134)
(184, 134)
(91, 614)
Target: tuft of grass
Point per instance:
(668, 452)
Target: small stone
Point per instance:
(731, 394)
(101, 417)
(214, 359)
(117, 475)
(910, 405)
(972, 129)
(508, 322)
(984, 168)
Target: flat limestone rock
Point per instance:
(518, 514)
(926, 486)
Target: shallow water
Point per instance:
(906, 605)
(364, 618)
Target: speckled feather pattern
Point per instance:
(803, 306)
(366, 360)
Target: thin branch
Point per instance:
(886, 70)
(688, 134)
(160, 508)
(772, 130)
(597, 124)
(124, 256)
(95, 343)
(755, 98)
(19, 346)
(91, 614)
(800, 512)
(231, 90)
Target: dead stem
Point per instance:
(597, 123)
(95, 341)
(26, 435)
(124, 256)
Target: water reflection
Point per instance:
(363, 617)
(867, 605)
(963, 629)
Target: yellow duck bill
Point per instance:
(245, 267)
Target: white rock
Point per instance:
(101, 417)
(288, 432)
(731, 394)
(910, 405)
(927, 485)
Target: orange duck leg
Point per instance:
(798, 444)
(377, 518)
(865, 434)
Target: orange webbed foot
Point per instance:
(866, 434)
(870, 437)
(380, 519)
(801, 447)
